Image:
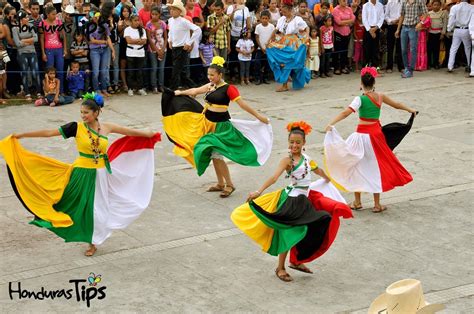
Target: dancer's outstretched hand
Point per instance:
(17, 136)
(252, 196)
(329, 128)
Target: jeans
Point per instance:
(63, 100)
(56, 59)
(409, 35)
(135, 75)
(244, 69)
(157, 66)
(325, 61)
(115, 65)
(76, 93)
(29, 64)
(100, 59)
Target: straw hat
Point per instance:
(404, 296)
(178, 4)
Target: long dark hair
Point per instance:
(140, 27)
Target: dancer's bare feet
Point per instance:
(92, 249)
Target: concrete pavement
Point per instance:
(185, 255)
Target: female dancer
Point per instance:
(101, 191)
(296, 217)
(364, 162)
(201, 134)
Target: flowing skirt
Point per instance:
(306, 225)
(196, 139)
(287, 57)
(83, 204)
(363, 162)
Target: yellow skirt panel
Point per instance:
(40, 180)
(185, 129)
(244, 218)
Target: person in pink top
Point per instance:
(193, 10)
(422, 55)
(343, 20)
(145, 13)
(53, 42)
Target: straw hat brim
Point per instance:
(380, 304)
(179, 7)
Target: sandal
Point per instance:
(227, 191)
(379, 209)
(92, 249)
(286, 277)
(301, 268)
(355, 206)
(282, 89)
(215, 188)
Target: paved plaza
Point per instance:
(184, 254)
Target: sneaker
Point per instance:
(130, 92)
(142, 92)
(28, 97)
(155, 90)
(407, 74)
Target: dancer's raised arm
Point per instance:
(282, 166)
(252, 111)
(193, 91)
(38, 133)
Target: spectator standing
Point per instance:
(136, 39)
(408, 27)
(327, 39)
(80, 54)
(157, 39)
(219, 26)
(343, 20)
(392, 17)
(122, 3)
(76, 79)
(13, 74)
(323, 12)
(100, 48)
(180, 40)
(305, 14)
(123, 23)
(145, 12)
(459, 17)
(274, 12)
(372, 18)
(245, 48)
(471, 32)
(25, 38)
(436, 34)
(263, 34)
(240, 22)
(206, 53)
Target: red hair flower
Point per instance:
(303, 126)
(369, 70)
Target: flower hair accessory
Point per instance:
(219, 61)
(301, 125)
(369, 70)
(99, 100)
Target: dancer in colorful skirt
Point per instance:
(303, 217)
(101, 191)
(364, 162)
(202, 134)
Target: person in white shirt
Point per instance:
(245, 48)
(263, 33)
(240, 22)
(459, 17)
(471, 32)
(180, 41)
(392, 16)
(372, 18)
(136, 39)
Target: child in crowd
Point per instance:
(313, 52)
(80, 53)
(321, 15)
(76, 80)
(25, 38)
(422, 54)
(206, 52)
(53, 42)
(436, 33)
(358, 33)
(136, 39)
(245, 48)
(51, 88)
(157, 39)
(263, 34)
(3, 73)
(327, 38)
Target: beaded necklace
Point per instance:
(290, 173)
(95, 143)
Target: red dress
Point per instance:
(422, 54)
